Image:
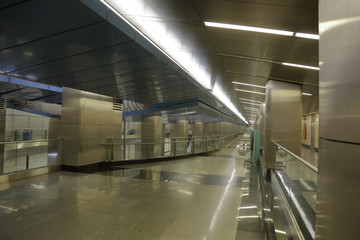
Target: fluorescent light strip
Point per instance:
(300, 66)
(251, 85)
(279, 231)
(307, 35)
(307, 94)
(256, 104)
(185, 113)
(252, 107)
(248, 28)
(247, 207)
(231, 106)
(253, 216)
(241, 90)
(250, 100)
(262, 30)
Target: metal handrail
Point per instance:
(312, 167)
(30, 141)
(146, 143)
(161, 142)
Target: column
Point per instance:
(2, 132)
(88, 119)
(208, 129)
(152, 131)
(54, 147)
(339, 140)
(283, 117)
(198, 129)
(198, 136)
(181, 135)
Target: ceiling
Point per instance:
(65, 43)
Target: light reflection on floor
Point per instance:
(193, 198)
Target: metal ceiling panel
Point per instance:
(83, 40)
(40, 19)
(265, 46)
(246, 66)
(80, 62)
(73, 46)
(9, 3)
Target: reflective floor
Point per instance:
(205, 197)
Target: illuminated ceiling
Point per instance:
(68, 44)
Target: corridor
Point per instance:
(203, 197)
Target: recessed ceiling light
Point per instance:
(178, 114)
(248, 28)
(249, 108)
(241, 90)
(250, 100)
(256, 104)
(251, 85)
(307, 94)
(300, 66)
(307, 35)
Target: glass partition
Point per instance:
(136, 149)
(23, 155)
(298, 181)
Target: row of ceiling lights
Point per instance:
(262, 30)
(268, 31)
(261, 93)
(222, 25)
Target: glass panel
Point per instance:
(9, 157)
(35, 153)
(299, 183)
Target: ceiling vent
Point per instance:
(2, 103)
(117, 104)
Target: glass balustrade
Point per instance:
(136, 149)
(23, 155)
(298, 182)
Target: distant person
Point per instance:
(190, 137)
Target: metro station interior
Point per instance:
(179, 119)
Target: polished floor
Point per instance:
(201, 198)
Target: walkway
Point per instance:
(201, 198)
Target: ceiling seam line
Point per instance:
(13, 5)
(127, 73)
(51, 35)
(70, 56)
(92, 68)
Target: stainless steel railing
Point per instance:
(295, 184)
(137, 149)
(26, 134)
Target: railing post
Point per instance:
(206, 144)
(174, 146)
(193, 146)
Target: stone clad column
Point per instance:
(198, 129)
(198, 136)
(151, 131)
(283, 117)
(2, 132)
(339, 115)
(181, 133)
(88, 119)
(209, 129)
